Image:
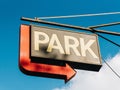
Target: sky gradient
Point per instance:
(11, 78)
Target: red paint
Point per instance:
(26, 64)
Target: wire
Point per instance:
(94, 31)
(92, 27)
(102, 58)
(81, 15)
(112, 69)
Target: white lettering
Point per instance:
(54, 39)
(45, 39)
(72, 46)
(86, 47)
(70, 43)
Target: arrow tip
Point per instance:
(70, 72)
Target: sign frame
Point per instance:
(81, 65)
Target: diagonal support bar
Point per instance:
(103, 25)
(69, 26)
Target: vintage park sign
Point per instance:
(54, 53)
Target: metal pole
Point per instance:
(103, 25)
(69, 26)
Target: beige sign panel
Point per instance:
(78, 49)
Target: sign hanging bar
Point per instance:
(37, 20)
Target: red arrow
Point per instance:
(26, 64)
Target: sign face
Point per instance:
(56, 46)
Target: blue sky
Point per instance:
(11, 78)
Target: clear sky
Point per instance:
(11, 78)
